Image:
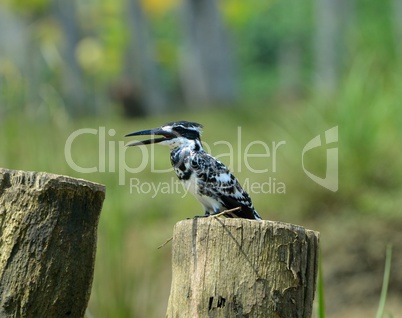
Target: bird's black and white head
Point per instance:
(176, 135)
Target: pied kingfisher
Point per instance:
(214, 186)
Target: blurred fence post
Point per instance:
(242, 268)
(48, 230)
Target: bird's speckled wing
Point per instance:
(215, 180)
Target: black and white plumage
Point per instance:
(208, 179)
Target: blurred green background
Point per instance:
(274, 70)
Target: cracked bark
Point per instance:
(48, 227)
(242, 268)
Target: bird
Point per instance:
(208, 179)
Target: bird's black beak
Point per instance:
(156, 131)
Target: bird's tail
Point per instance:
(248, 213)
(256, 215)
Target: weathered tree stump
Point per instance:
(48, 227)
(242, 268)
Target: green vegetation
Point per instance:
(132, 277)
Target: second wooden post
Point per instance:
(242, 268)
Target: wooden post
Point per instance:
(242, 268)
(48, 227)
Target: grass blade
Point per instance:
(385, 282)
(320, 290)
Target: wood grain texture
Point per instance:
(242, 268)
(48, 231)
